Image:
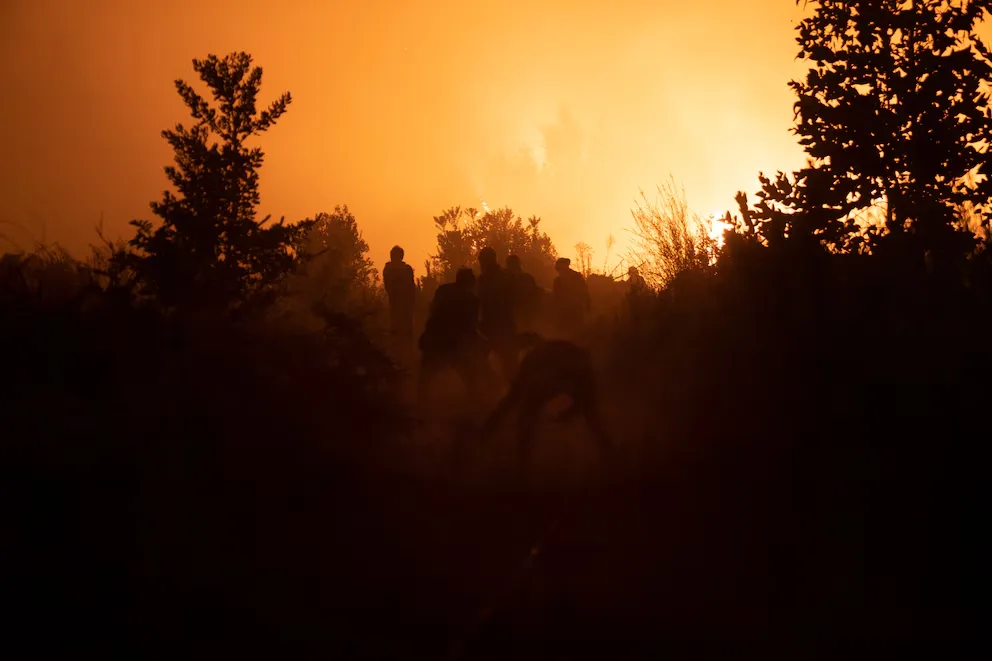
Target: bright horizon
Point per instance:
(564, 110)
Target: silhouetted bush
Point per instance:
(462, 233)
(338, 276)
(148, 451)
(669, 237)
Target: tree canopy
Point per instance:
(338, 271)
(462, 233)
(209, 247)
(894, 110)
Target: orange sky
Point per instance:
(559, 108)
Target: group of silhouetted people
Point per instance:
(474, 318)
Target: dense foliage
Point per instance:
(209, 248)
(462, 233)
(894, 111)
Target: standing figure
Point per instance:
(496, 320)
(571, 297)
(526, 294)
(451, 337)
(635, 281)
(397, 277)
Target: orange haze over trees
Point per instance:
(213, 440)
(558, 109)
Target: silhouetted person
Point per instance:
(397, 277)
(550, 368)
(636, 284)
(526, 293)
(571, 297)
(636, 301)
(496, 319)
(451, 338)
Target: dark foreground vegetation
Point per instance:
(209, 447)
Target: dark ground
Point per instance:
(355, 563)
(220, 545)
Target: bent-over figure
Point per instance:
(550, 368)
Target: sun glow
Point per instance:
(716, 226)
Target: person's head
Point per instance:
(487, 258)
(465, 279)
(513, 263)
(396, 254)
(563, 264)
(632, 272)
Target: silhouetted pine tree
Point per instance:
(209, 248)
(894, 109)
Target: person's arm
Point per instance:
(410, 283)
(387, 280)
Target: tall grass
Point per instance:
(669, 238)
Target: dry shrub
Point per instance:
(670, 238)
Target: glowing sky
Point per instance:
(559, 108)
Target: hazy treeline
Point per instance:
(195, 403)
